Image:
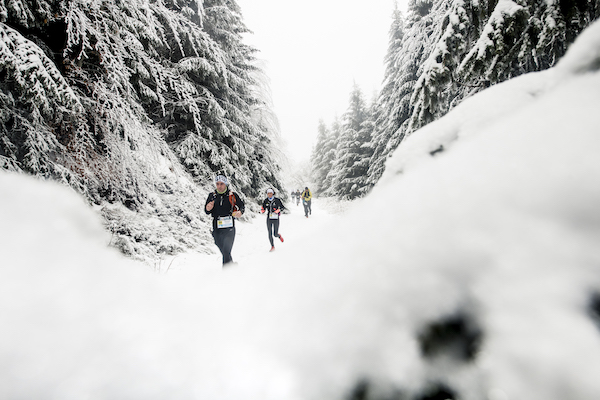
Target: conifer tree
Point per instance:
(331, 148)
(365, 155)
(481, 43)
(320, 163)
(353, 152)
(244, 147)
(400, 75)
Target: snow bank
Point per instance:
(467, 274)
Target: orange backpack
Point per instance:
(234, 207)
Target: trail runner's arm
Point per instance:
(210, 203)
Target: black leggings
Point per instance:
(224, 240)
(273, 228)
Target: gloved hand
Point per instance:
(278, 211)
(262, 210)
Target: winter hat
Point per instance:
(270, 191)
(221, 178)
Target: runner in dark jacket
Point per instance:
(273, 207)
(224, 206)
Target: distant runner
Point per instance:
(273, 207)
(306, 200)
(224, 206)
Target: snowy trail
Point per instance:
(251, 247)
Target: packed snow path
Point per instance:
(251, 247)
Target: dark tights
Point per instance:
(273, 228)
(224, 240)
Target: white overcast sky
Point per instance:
(313, 52)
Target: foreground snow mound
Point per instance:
(473, 274)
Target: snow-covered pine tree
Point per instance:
(268, 157)
(41, 127)
(481, 43)
(393, 101)
(319, 162)
(354, 151)
(367, 148)
(331, 146)
(410, 41)
(245, 151)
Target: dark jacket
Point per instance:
(222, 206)
(270, 206)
